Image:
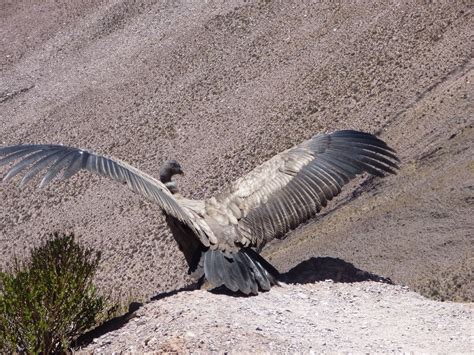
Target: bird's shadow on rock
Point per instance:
(316, 270)
(327, 268)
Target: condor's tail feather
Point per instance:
(244, 271)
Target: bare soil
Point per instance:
(223, 86)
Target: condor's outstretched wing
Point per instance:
(294, 185)
(55, 159)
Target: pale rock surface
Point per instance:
(321, 317)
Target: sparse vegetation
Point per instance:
(49, 300)
(452, 284)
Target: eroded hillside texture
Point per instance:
(221, 86)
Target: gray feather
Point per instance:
(38, 166)
(57, 158)
(60, 163)
(17, 168)
(308, 175)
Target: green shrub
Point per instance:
(46, 303)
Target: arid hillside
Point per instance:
(221, 86)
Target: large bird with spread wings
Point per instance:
(220, 237)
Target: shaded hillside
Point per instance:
(222, 86)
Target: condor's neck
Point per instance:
(165, 176)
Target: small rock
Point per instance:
(190, 334)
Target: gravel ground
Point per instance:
(320, 317)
